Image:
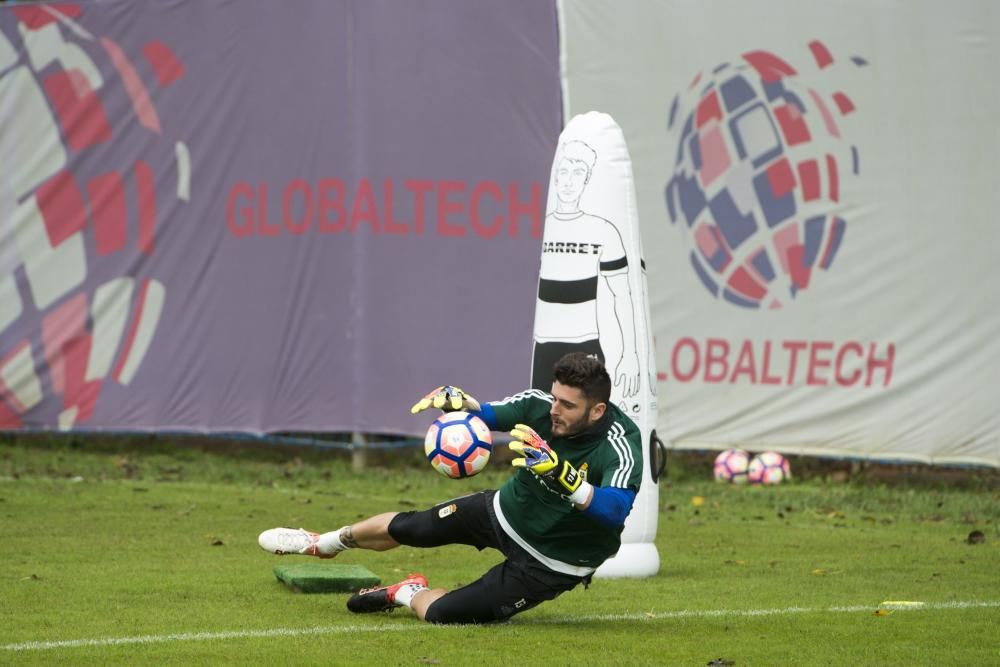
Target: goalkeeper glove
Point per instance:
(559, 475)
(448, 399)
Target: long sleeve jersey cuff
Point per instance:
(610, 505)
(488, 415)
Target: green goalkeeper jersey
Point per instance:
(539, 519)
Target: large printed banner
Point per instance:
(264, 216)
(817, 190)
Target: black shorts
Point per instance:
(517, 584)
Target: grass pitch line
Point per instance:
(568, 620)
(208, 636)
(779, 611)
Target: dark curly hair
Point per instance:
(586, 373)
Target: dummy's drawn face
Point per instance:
(571, 179)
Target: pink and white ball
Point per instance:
(458, 444)
(731, 466)
(768, 468)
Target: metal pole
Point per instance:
(359, 452)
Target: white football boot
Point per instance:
(284, 541)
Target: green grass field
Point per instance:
(139, 553)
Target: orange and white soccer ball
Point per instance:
(458, 444)
(731, 466)
(768, 468)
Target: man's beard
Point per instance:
(571, 428)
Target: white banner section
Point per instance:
(817, 188)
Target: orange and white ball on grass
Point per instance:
(458, 444)
(731, 466)
(768, 468)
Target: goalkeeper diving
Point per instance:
(560, 515)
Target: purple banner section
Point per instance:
(260, 216)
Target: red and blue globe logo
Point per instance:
(762, 153)
(91, 172)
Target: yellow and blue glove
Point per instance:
(536, 456)
(448, 399)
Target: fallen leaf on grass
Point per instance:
(218, 543)
(735, 562)
(882, 612)
(697, 501)
(31, 577)
(720, 662)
